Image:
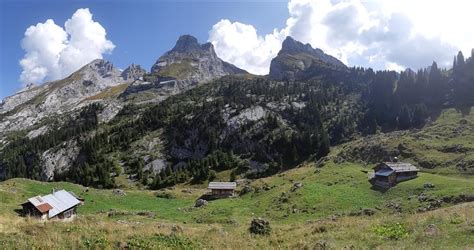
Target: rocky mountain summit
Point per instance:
(133, 72)
(53, 99)
(300, 61)
(193, 62)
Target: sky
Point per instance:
(44, 40)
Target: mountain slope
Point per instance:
(53, 99)
(194, 62)
(298, 61)
(253, 126)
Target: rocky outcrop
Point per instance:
(193, 62)
(133, 72)
(58, 97)
(24, 95)
(37, 132)
(299, 61)
(58, 160)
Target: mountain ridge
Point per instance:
(189, 60)
(296, 60)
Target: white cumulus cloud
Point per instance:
(239, 43)
(53, 52)
(360, 33)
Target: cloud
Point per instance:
(239, 43)
(53, 52)
(359, 33)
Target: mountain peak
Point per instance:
(189, 60)
(133, 71)
(297, 60)
(186, 43)
(293, 46)
(103, 67)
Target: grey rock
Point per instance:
(58, 160)
(193, 62)
(56, 98)
(37, 132)
(200, 203)
(297, 61)
(428, 185)
(133, 72)
(119, 192)
(296, 186)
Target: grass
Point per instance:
(301, 221)
(111, 92)
(427, 147)
(179, 70)
(325, 211)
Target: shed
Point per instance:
(222, 189)
(387, 174)
(59, 204)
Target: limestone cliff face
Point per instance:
(298, 61)
(57, 160)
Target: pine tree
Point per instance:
(460, 60)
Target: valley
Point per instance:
(301, 142)
(335, 206)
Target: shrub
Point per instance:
(165, 195)
(260, 226)
(392, 231)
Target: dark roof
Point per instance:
(401, 166)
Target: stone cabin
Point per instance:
(222, 189)
(57, 205)
(388, 174)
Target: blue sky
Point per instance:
(141, 30)
(380, 34)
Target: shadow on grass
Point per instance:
(379, 188)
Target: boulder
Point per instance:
(296, 186)
(200, 203)
(428, 185)
(119, 192)
(260, 226)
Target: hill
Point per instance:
(334, 206)
(194, 111)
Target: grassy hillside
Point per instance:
(335, 207)
(446, 145)
(329, 201)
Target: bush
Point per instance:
(212, 175)
(165, 195)
(260, 226)
(392, 231)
